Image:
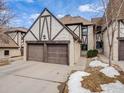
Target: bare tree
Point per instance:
(5, 13)
(111, 16)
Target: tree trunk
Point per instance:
(110, 50)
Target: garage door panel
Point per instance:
(58, 54)
(53, 53)
(35, 52)
(121, 50)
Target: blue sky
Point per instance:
(26, 11)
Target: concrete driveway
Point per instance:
(33, 77)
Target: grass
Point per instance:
(66, 89)
(63, 88)
(93, 81)
(97, 78)
(121, 77)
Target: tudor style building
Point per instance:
(82, 28)
(48, 40)
(17, 34)
(8, 48)
(100, 29)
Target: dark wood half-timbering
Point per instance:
(46, 28)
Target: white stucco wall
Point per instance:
(12, 53)
(90, 38)
(115, 43)
(121, 29)
(77, 31)
(25, 51)
(77, 50)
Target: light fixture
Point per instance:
(44, 37)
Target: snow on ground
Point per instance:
(97, 63)
(117, 87)
(110, 71)
(74, 83)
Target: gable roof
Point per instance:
(3, 28)
(71, 32)
(75, 20)
(7, 42)
(97, 21)
(16, 29)
(113, 8)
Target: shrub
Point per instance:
(89, 53)
(92, 53)
(95, 52)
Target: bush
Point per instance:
(89, 53)
(92, 53)
(95, 52)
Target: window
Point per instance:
(99, 28)
(6, 52)
(83, 47)
(99, 44)
(99, 40)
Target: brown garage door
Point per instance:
(51, 53)
(121, 50)
(58, 54)
(35, 52)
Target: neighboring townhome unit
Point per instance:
(8, 48)
(82, 28)
(116, 25)
(17, 34)
(50, 41)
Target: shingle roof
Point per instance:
(16, 29)
(97, 21)
(74, 20)
(7, 42)
(113, 8)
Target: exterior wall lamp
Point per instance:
(44, 37)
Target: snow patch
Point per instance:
(97, 63)
(74, 83)
(117, 87)
(110, 71)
